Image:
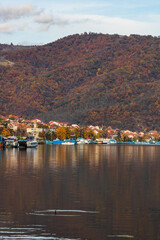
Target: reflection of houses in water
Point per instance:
(137, 153)
(100, 154)
(32, 157)
(39, 156)
(19, 157)
(60, 156)
(65, 155)
(11, 155)
(52, 155)
(95, 155)
(0, 154)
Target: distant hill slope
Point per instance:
(89, 79)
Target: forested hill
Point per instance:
(87, 79)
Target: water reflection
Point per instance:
(61, 155)
(120, 184)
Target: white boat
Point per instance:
(99, 140)
(68, 143)
(109, 141)
(29, 142)
(11, 141)
(146, 143)
(106, 141)
(82, 141)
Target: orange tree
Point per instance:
(68, 132)
(61, 133)
(6, 132)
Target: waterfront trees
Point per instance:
(61, 133)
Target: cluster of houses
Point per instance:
(14, 125)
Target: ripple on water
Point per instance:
(60, 212)
(12, 233)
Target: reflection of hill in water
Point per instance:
(120, 183)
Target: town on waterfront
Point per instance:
(17, 127)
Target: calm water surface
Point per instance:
(80, 192)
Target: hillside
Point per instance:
(89, 79)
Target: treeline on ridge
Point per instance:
(86, 79)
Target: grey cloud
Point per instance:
(46, 21)
(50, 19)
(7, 13)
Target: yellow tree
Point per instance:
(84, 132)
(76, 133)
(101, 134)
(6, 132)
(68, 132)
(41, 135)
(91, 134)
(61, 133)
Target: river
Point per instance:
(90, 192)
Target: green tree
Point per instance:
(48, 135)
(54, 136)
(119, 138)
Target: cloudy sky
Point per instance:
(44, 21)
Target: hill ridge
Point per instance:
(88, 78)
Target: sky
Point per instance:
(37, 22)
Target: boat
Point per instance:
(91, 141)
(57, 141)
(68, 143)
(82, 141)
(149, 143)
(11, 141)
(29, 142)
(99, 140)
(109, 141)
(48, 141)
(106, 141)
(64, 142)
(2, 142)
(40, 140)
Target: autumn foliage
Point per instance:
(87, 79)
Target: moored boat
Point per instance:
(57, 141)
(40, 140)
(29, 142)
(64, 142)
(11, 141)
(48, 141)
(109, 141)
(2, 142)
(82, 141)
(149, 143)
(68, 143)
(99, 140)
